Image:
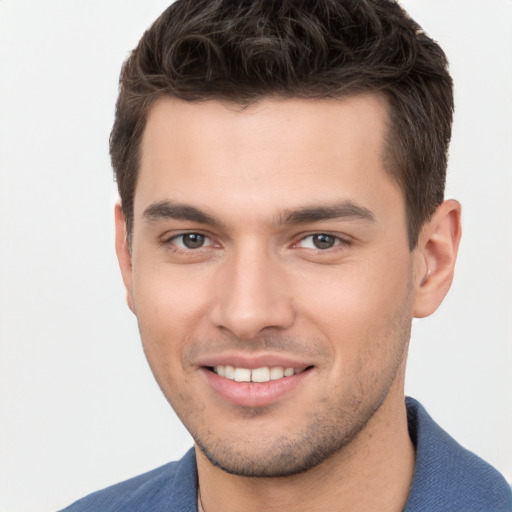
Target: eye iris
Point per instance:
(323, 241)
(193, 240)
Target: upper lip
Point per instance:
(252, 361)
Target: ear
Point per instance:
(437, 249)
(124, 256)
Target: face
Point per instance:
(271, 276)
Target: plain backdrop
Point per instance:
(79, 408)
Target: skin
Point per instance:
(245, 179)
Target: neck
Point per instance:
(373, 472)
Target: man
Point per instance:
(281, 169)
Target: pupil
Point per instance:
(323, 241)
(193, 240)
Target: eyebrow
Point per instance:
(346, 210)
(168, 210)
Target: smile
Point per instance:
(263, 374)
(257, 386)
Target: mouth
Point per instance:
(255, 387)
(260, 375)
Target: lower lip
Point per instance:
(253, 394)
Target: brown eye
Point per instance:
(320, 241)
(193, 240)
(190, 245)
(323, 241)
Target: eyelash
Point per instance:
(172, 240)
(180, 247)
(338, 241)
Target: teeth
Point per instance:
(276, 373)
(229, 372)
(242, 375)
(260, 375)
(263, 374)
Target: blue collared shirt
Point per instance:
(447, 478)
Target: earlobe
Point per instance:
(124, 256)
(437, 252)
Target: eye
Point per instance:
(320, 241)
(191, 241)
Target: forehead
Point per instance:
(275, 153)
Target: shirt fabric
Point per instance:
(447, 478)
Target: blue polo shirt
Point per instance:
(447, 478)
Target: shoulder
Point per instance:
(448, 477)
(172, 484)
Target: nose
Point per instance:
(252, 296)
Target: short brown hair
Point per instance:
(243, 50)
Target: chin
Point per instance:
(282, 456)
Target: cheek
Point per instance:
(359, 303)
(168, 298)
(170, 306)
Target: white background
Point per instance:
(79, 409)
